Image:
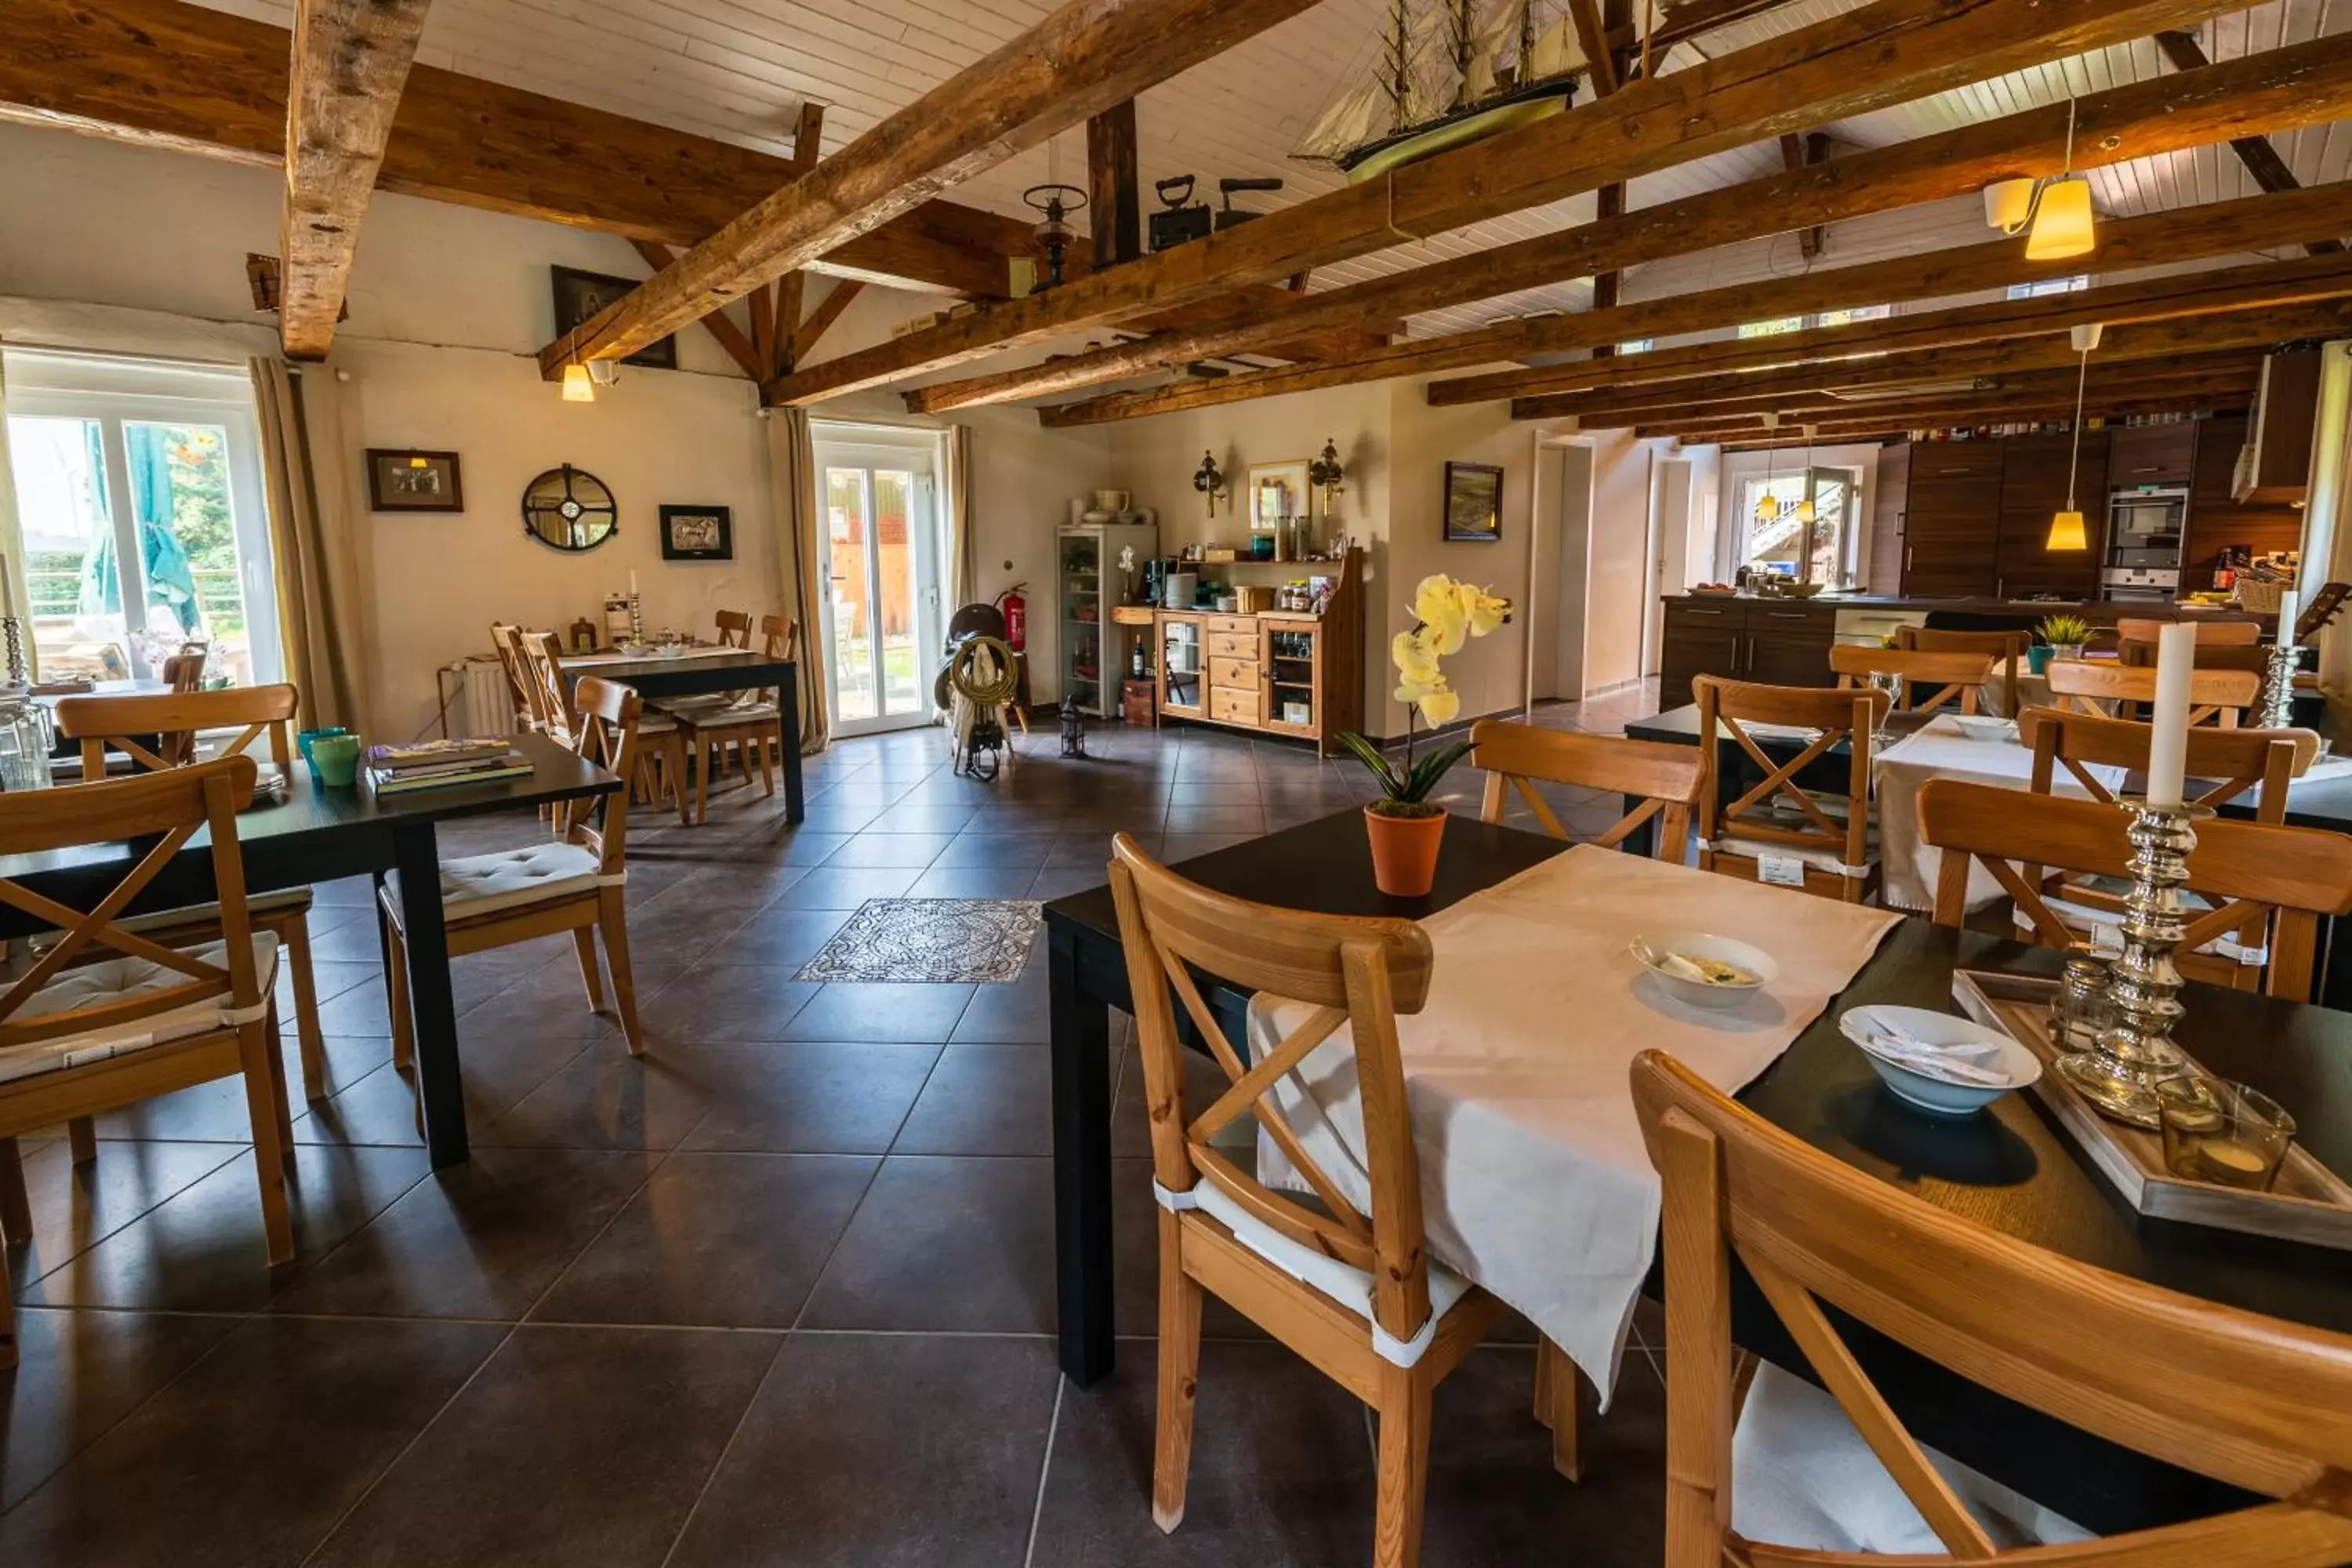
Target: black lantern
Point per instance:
(1055, 234)
(1209, 481)
(1074, 728)
(1325, 473)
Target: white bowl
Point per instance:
(1986, 726)
(1650, 951)
(2017, 1066)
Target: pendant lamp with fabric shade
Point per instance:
(2055, 214)
(1767, 510)
(2067, 529)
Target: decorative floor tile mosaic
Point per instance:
(942, 940)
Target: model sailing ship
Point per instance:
(1448, 74)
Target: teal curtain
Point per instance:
(171, 580)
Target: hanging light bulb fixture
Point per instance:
(1805, 508)
(1768, 509)
(577, 386)
(2055, 214)
(2066, 529)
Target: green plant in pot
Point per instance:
(1406, 827)
(2058, 636)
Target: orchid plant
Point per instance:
(1446, 616)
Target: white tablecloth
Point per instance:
(1534, 1181)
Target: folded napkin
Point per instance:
(1967, 1062)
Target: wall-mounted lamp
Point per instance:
(2055, 214)
(1210, 480)
(1325, 474)
(577, 386)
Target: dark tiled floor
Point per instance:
(780, 1292)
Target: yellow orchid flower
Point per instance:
(1437, 605)
(1485, 610)
(1440, 706)
(1417, 661)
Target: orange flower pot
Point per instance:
(1404, 852)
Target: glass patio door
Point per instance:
(882, 627)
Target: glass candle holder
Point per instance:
(2226, 1133)
(2081, 1011)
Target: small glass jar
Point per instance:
(26, 736)
(2083, 1010)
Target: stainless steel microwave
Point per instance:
(2138, 519)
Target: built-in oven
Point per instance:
(2145, 525)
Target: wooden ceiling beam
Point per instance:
(751, 353)
(350, 60)
(2262, 284)
(2304, 84)
(1083, 59)
(189, 79)
(1881, 53)
(1762, 389)
(1114, 188)
(2261, 160)
(808, 136)
(2004, 399)
(2215, 397)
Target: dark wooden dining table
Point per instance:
(317, 834)
(2010, 1168)
(714, 670)
(2310, 803)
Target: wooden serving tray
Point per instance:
(2309, 1202)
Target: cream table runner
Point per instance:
(1534, 1181)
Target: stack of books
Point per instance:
(432, 764)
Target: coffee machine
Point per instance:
(1155, 578)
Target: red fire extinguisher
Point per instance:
(1016, 617)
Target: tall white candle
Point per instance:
(633, 585)
(2167, 748)
(2290, 609)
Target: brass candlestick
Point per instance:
(2135, 1053)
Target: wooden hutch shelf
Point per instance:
(1279, 672)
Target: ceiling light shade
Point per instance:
(1767, 510)
(577, 387)
(2061, 222)
(2067, 532)
(2085, 335)
(2009, 205)
(1805, 510)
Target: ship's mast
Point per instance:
(1398, 86)
(1464, 24)
(1524, 72)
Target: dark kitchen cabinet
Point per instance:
(1777, 642)
(1951, 525)
(1702, 637)
(2034, 487)
(2153, 454)
(1788, 645)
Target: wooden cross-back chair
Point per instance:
(256, 715)
(734, 629)
(2006, 649)
(1666, 777)
(574, 883)
(2210, 633)
(549, 693)
(1777, 817)
(2215, 696)
(659, 764)
(1957, 678)
(2252, 876)
(506, 641)
(2254, 1402)
(1351, 1288)
(2228, 763)
(110, 1015)
(752, 726)
(2251, 657)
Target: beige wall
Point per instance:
(140, 250)
(1618, 589)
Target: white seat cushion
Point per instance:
(510, 879)
(1828, 860)
(114, 979)
(205, 914)
(1348, 1286)
(1802, 1477)
(745, 713)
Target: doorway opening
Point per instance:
(881, 553)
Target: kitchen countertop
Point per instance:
(1984, 604)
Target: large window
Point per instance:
(1778, 539)
(139, 499)
(2049, 286)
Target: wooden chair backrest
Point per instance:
(183, 672)
(606, 735)
(778, 637)
(506, 640)
(2250, 1401)
(2214, 695)
(1665, 776)
(734, 629)
(1726, 707)
(1360, 973)
(1958, 676)
(176, 717)
(2249, 657)
(551, 695)
(172, 803)
(2228, 762)
(2006, 649)
(2210, 633)
(2252, 874)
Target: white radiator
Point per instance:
(488, 707)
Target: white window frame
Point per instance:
(119, 392)
(865, 448)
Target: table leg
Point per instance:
(1082, 1236)
(2334, 988)
(788, 701)
(432, 1011)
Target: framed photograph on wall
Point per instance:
(580, 294)
(412, 480)
(1474, 503)
(1275, 493)
(697, 534)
